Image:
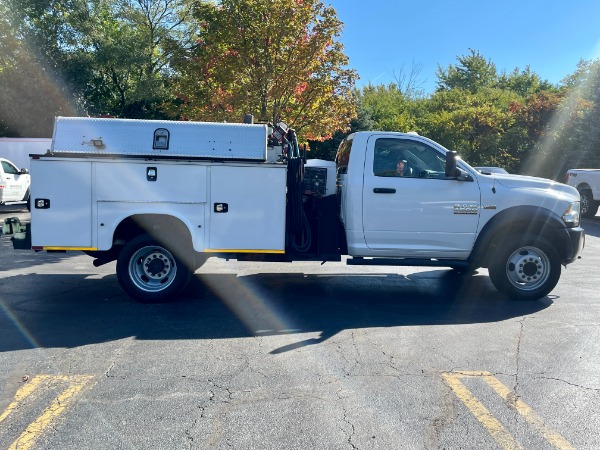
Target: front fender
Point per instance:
(519, 220)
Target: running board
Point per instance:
(360, 261)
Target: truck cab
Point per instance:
(417, 213)
(440, 211)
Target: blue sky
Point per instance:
(382, 36)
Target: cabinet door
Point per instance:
(247, 208)
(67, 222)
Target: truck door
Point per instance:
(15, 183)
(410, 209)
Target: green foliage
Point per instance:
(492, 119)
(471, 73)
(489, 118)
(190, 59)
(473, 124)
(32, 90)
(325, 149)
(276, 59)
(573, 139)
(385, 108)
(523, 82)
(97, 57)
(125, 54)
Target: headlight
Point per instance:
(571, 215)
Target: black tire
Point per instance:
(589, 207)
(150, 272)
(27, 199)
(199, 260)
(525, 268)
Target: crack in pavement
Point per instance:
(567, 382)
(107, 373)
(188, 431)
(352, 432)
(518, 355)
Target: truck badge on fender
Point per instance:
(466, 209)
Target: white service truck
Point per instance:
(587, 182)
(161, 197)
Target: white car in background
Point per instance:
(587, 182)
(490, 170)
(14, 183)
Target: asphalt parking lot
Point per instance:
(295, 356)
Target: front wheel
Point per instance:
(589, 207)
(527, 268)
(150, 272)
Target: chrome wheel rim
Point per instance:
(152, 269)
(528, 268)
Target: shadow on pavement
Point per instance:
(75, 310)
(591, 226)
(11, 259)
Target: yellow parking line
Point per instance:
(491, 424)
(59, 404)
(528, 414)
(23, 393)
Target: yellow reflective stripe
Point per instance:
(89, 249)
(232, 250)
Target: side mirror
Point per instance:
(24, 171)
(451, 164)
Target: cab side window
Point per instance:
(9, 168)
(342, 158)
(399, 157)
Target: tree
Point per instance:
(493, 119)
(126, 50)
(471, 73)
(97, 57)
(384, 108)
(586, 118)
(573, 136)
(273, 59)
(472, 123)
(32, 90)
(410, 82)
(524, 82)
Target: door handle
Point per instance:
(384, 190)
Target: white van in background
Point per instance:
(18, 150)
(14, 183)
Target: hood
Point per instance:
(526, 182)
